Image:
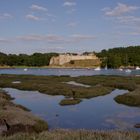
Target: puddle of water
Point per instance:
(77, 84)
(16, 82)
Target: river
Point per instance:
(71, 72)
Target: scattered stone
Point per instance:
(3, 127)
(137, 125)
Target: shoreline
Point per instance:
(53, 67)
(15, 118)
(61, 67)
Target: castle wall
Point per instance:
(62, 59)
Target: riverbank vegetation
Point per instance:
(131, 98)
(57, 85)
(76, 135)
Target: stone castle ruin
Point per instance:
(70, 60)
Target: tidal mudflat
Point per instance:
(93, 100)
(58, 85)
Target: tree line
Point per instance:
(117, 57)
(112, 58)
(36, 59)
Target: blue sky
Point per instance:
(28, 26)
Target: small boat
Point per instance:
(25, 69)
(106, 68)
(120, 69)
(128, 70)
(137, 68)
(98, 68)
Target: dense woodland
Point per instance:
(113, 58)
(116, 57)
(36, 59)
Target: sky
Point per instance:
(29, 26)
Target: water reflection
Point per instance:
(96, 113)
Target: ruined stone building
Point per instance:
(75, 60)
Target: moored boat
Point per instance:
(97, 69)
(137, 68)
(128, 70)
(25, 69)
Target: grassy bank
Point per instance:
(131, 98)
(56, 85)
(69, 102)
(53, 85)
(76, 135)
(17, 117)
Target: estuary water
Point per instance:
(96, 113)
(70, 72)
(101, 112)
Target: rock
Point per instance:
(3, 127)
(137, 125)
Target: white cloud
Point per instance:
(72, 24)
(122, 15)
(38, 13)
(135, 33)
(56, 38)
(38, 8)
(31, 38)
(6, 16)
(81, 37)
(3, 40)
(120, 9)
(129, 19)
(47, 38)
(69, 4)
(32, 17)
(55, 48)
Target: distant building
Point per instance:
(64, 59)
